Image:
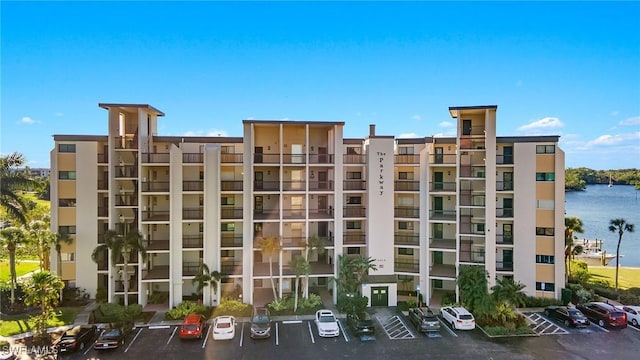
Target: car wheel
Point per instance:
(634, 322)
(601, 323)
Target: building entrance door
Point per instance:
(380, 296)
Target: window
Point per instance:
(545, 149)
(354, 200)
(353, 251)
(545, 176)
(545, 286)
(405, 225)
(405, 176)
(67, 202)
(545, 259)
(353, 151)
(545, 231)
(354, 225)
(68, 256)
(545, 204)
(227, 200)
(353, 175)
(226, 149)
(228, 227)
(405, 251)
(67, 148)
(67, 230)
(405, 150)
(67, 175)
(201, 175)
(226, 253)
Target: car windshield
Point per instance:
(190, 327)
(575, 312)
(260, 319)
(223, 325)
(466, 317)
(110, 334)
(327, 318)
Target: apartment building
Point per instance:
(419, 207)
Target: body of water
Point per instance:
(596, 206)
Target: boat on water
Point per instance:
(592, 253)
(610, 181)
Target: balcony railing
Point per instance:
(231, 213)
(355, 211)
(504, 239)
(191, 268)
(293, 240)
(406, 239)
(293, 213)
(193, 185)
(353, 238)
(231, 158)
(504, 212)
(402, 265)
(231, 185)
(156, 245)
(155, 186)
(192, 214)
(475, 257)
(472, 142)
(354, 159)
(266, 214)
(320, 185)
(477, 172)
(442, 186)
(407, 185)
(407, 159)
(504, 185)
(321, 213)
(504, 159)
(126, 142)
(320, 158)
(466, 199)
(261, 158)
(103, 211)
(442, 243)
(103, 185)
(443, 270)
(231, 267)
(155, 215)
(294, 185)
(155, 158)
(294, 158)
(407, 212)
(192, 241)
(158, 272)
(266, 185)
(504, 266)
(126, 200)
(438, 159)
(355, 185)
(192, 158)
(103, 158)
(126, 171)
(442, 215)
(231, 240)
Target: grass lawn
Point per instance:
(627, 278)
(22, 267)
(17, 324)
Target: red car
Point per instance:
(604, 314)
(192, 327)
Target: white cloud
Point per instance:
(630, 121)
(409, 135)
(28, 121)
(416, 117)
(445, 124)
(212, 132)
(612, 140)
(544, 124)
(615, 113)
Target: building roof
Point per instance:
(454, 111)
(80, 137)
(107, 106)
(299, 122)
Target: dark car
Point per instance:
(604, 314)
(569, 316)
(424, 319)
(75, 338)
(260, 323)
(361, 324)
(112, 337)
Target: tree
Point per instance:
(205, 278)
(300, 267)
(270, 247)
(619, 226)
(61, 238)
(12, 180)
(314, 243)
(42, 238)
(572, 225)
(509, 291)
(361, 266)
(474, 294)
(11, 238)
(121, 246)
(43, 290)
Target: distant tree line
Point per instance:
(579, 178)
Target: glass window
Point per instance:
(545, 231)
(353, 250)
(545, 149)
(405, 251)
(67, 175)
(353, 225)
(545, 259)
(67, 202)
(352, 175)
(405, 150)
(545, 286)
(67, 229)
(67, 148)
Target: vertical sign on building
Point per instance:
(380, 203)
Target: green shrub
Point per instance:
(101, 295)
(606, 292)
(314, 302)
(523, 330)
(185, 308)
(116, 313)
(496, 330)
(448, 298)
(158, 298)
(403, 306)
(583, 296)
(411, 303)
(628, 298)
(232, 307)
(277, 306)
(532, 301)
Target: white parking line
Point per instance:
(633, 327)
(242, 334)
(204, 343)
(448, 328)
(344, 333)
(311, 333)
(277, 337)
(89, 348)
(173, 333)
(603, 329)
(134, 339)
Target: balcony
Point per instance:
(440, 186)
(405, 265)
(231, 240)
(294, 185)
(504, 212)
(467, 199)
(476, 172)
(293, 213)
(231, 212)
(470, 256)
(103, 158)
(193, 185)
(320, 185)
(504, 185)
(192, 241)
(155, 186)
(261, 158)
(294, 158)
(442, 243)
(126, 171)
(354, 211)
(103, 211)
(231, 158)
(407, 185)
(406, 239)
(354, 238)
(504, 159)
(231, 185)
(155, 215)
(155, 158)
(407, 212)
(320, 158)
(264, 214)
(441, 159)
(467, 142)
(157, 245)
(504, 266)
(407, 159)
(126, 200)
(355, 185)
(192, 158)
(354, 159)
(446, 215)
(266, 185)
(192, 214)
(293, 241)
(504, 239)
(316, 268)
(321, 213)
(126, 142)
(262, 268)
(191, 268)
(103, 185)
(442, 270)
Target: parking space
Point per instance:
(543, 325)
(395, 328)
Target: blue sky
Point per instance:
(569, 69)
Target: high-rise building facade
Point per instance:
(247, 206)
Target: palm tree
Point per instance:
(205, 278)
(61, 238)
(361, 266)
(11, 181)
(43, 290)
(300, 267)
(619, 226)
(314, 243)
(572, 225)
(121, 245)
(270, 247)
(10, 238)
(473, 286)
(509, 291)
(42, 238)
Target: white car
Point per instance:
(633, 314)
(459, 317)
(224, 328)
(327, 323)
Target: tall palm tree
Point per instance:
(42, 238)
(121, 245)
(42, 290)
(572, 225)
(12, 180)
(361, 266)
(11, 238)
(270, 247)
(620, 226)
(314, 243)
(300, 267)
(509, 291)
(61, 238)
(473, 286)
(205, 278)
